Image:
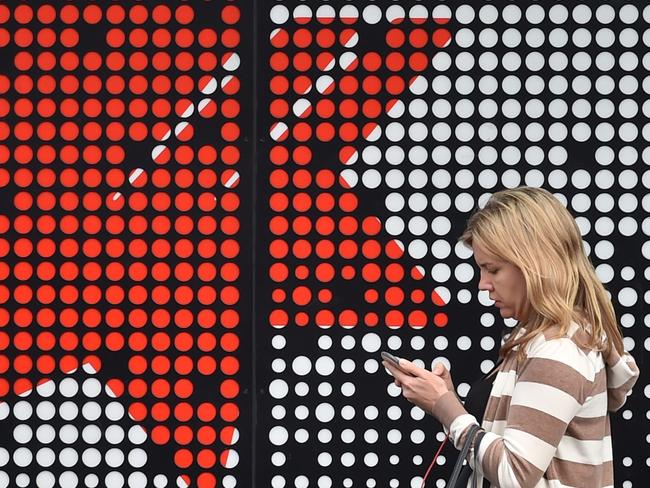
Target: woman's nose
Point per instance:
(484, 283)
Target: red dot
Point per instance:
(440, 319)
(161, 14)
(184, 14)
(23, 14)
(230, 14)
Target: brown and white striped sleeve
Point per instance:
(554, 380)
(622, 374)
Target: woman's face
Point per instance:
(504, 283)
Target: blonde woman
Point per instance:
(544, 409)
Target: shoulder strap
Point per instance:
(477, 443)
(461, 457)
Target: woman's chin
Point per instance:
(505, 313)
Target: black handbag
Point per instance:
(462, 471)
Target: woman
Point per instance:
(562, 368)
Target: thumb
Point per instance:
(439, 369)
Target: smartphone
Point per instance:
(394, 360)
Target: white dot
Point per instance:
(464, 343)
(45, 434)
(278, 342)
(324, 459)
(68, 479)
(114, 479)
(628, 14)
(440, 343)
(137, 435)
(604, 179)
(278, 412)
(417, 225)
(348, 366)
(45, 457)
(114, 411)
(464, 296)
(68, 457)
(279, 14)
(605, 273)
(511, 178)
(464, 272)
(581, 202)
(22, 457)
(22, 433)
(464, 202)
(604, 202)
(627, 297)
(372, 14)
(91, 457)
(301, 388)
(278, 388)
(301, 365)
(511, 155)
(91, 410)
(278, 435)
(45, 479)
(4, 456)
(278, 365)
(68, 387)
(488, 14)
(68, 434)
(628, 226)
(463, 389)
(486, 366)
(627, 202)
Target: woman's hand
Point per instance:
(440, 370)
(420, 386)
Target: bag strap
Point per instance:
(477, 443)
(463, 454)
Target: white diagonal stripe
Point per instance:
(619, 374)
(188, 111)
(506, 475)
(594, 407)
(204, 103)
(232, 180)
(545, 398)
(135, 175)
(504, 382)
(180, 127)
(459, 425)
(585, 452)
(562, 350)
(157, 151)
(210, 87)
(528, 447)
(278, 130)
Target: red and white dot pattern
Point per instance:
(201, 258)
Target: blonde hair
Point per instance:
(529, 228)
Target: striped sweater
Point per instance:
(546, 421)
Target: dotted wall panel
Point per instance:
(214, 216)
(386, 123)
(124, 297)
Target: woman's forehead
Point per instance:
(483, 257)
